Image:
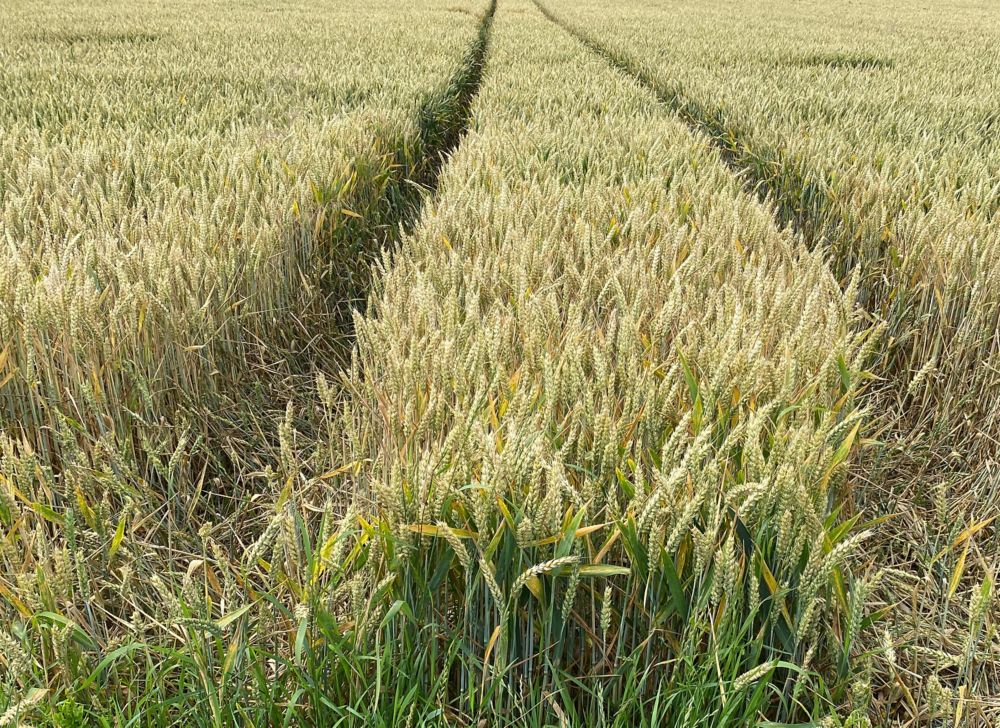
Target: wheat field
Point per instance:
(499, 363)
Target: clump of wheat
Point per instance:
(880, 150)
(596, 343)
(166, 243)
(907, 195)
(191, 200)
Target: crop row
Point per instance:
(598, 417)
(190, 200)
(190, 196)
(872, 132)
(876, 146)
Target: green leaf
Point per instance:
(108, 659)
(397, 606)
(845, 375)
(566, 543)
(79, 636)
(300, 639)
(625, 484)
(233, 616)
(678, 599)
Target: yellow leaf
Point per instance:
(838, 587)
(769, 579)
(534, 585)
(505, 511)
(338, 471)
(349, 213)
(486, 656)
(285, 494)
(213, 580)
(604, 570)
(320, 221)
(324, 554)
(429, 529)
(972, 531)
(47, 512)
(85, 509)
(491, 644)
(232, 652)
(772, 586)
(327, 548)
(493, 415)
(840, 455)
(720, 610)
(18, 604)
(956, 576)
(607, 546)
(965, 536)
(583, 531)
(233, 616)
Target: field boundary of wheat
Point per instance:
(514, 363)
